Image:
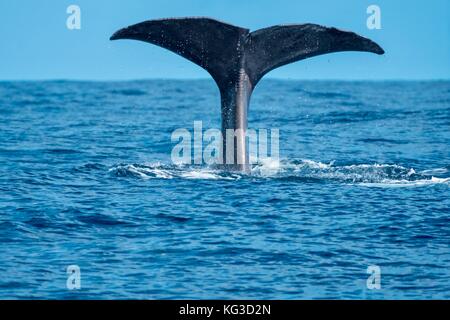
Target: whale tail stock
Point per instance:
(237, 58)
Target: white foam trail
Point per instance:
(406, 183)
(431, 172)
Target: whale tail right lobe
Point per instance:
(225, 50)
(276, 46)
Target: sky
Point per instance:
(36, 43)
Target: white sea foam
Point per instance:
(368, 175)
(199, 174)
(266, 167)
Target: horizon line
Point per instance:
(208, 78)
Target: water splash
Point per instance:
(371, 175)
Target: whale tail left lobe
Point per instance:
(209, 43)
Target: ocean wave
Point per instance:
(305, 170)
(162, 171)
(129, 92)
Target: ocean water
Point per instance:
(86, 179)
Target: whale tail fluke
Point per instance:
(238, 59)
(223, 49)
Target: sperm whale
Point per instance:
(237, 59)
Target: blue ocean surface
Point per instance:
(86, 179)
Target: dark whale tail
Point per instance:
(237, 59)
